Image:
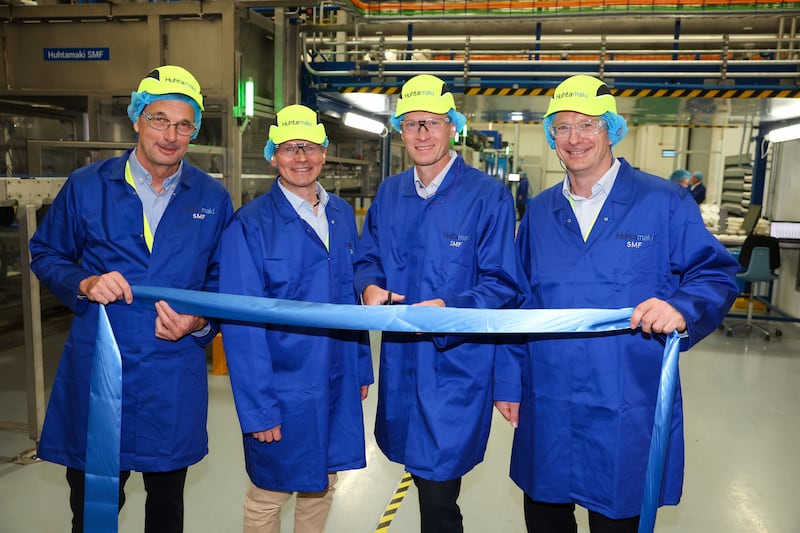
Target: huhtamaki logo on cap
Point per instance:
(571, 94)
(296, 122)
(422, 92)
(180, 81)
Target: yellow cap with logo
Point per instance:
(297, 122)
(171, 79)
(582, 94)
(425, 93)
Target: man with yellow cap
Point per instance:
(147, 217)
(440, 234)
(607, 236)
(297, 390)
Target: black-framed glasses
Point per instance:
(585, 128)
(430, 124)
(291, 149)
(160, 123)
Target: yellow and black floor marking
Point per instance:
(394, 504)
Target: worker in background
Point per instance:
(697, 188)
(147, 217)
(438, 234)
(298, 390)
(607, 236)
(682, 177)
(522, 193)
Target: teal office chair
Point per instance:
(758, 270)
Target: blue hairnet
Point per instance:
(616, 124)
(680, 175)
(140, 100)
(269, 149)
(455, 117)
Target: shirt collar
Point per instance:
(433, 186)
(298, 203)
(603, 185)
(143, 177)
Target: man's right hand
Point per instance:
(374, 295)
(107, 288)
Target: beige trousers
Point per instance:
(262, 509)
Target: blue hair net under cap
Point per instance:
(141, 100)
(456, 118)
(616, 124)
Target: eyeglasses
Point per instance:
(585, 128)
(430, 124)
(159, 123)
(291, 149)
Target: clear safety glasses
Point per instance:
(585, 128)
(292, 149)
(430, 124)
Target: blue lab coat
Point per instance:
(305, 379)
(94, 226)
(588, 401)
(435, 393)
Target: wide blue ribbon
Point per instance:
(101, 497)
(403, 318)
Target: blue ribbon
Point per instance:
(101, 503)
(403, 318)
(661, 429)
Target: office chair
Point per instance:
(759, 263)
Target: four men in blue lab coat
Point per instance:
(150, 218)
(297, 390)
(440, 233)
(607, 236)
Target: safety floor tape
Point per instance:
(394, 504)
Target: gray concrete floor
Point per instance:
(741, 396)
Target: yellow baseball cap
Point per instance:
(171, 79)
(297, 122)
(582, 94)
(425, 92)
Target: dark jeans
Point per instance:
(438, 507)
(163, 512)
(543, 517)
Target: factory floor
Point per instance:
(741, 398)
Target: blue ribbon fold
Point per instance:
(101, 488)
(400, 318)
(661, 430)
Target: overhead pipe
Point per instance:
(404, 67)
(633, 39)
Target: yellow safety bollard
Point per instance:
(219, 365)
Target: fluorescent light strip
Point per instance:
(787, 133)
(364, 123)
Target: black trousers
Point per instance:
(438, 507)
(543, 517)
(163, 510)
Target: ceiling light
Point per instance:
(787, 133)
(361, 122)
(369, 102)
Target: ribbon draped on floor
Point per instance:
(401, 318)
